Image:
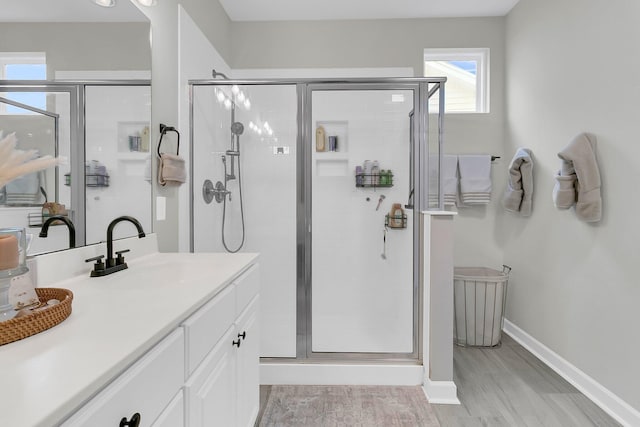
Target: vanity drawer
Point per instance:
(146, 388)
(205, 328)
(247, 287)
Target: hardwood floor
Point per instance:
(508, 386)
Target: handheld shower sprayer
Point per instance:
(237, 128)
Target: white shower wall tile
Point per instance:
(268, 192)
(362, 302)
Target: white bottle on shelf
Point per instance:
(375, 173)
(366, 168)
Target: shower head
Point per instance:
(216, 74)
(237, 128)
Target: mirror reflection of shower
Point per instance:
(230, 161)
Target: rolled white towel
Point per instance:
(519, 193)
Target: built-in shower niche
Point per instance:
(330, 156)
(133, 147)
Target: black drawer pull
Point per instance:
(236, 343)
(243, 335)
(135, 421)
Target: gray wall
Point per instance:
(398, 43)
(164, 88)
(570, 69)
(213, 21)
(81, 46)
(364, 43)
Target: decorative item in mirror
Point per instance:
(15, 163)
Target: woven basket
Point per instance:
(38, 321)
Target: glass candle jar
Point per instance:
(13, 254)
(13, 251)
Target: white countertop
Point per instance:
(115, 320)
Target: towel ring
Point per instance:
(163, 130)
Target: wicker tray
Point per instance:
(36, 322)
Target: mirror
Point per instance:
(77, 41)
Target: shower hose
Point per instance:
(224, 208)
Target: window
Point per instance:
(467, 73)
(23, 66)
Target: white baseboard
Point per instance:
(344, 374)
(441, 392)
(617, 408)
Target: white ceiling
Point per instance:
(294, 10)
(258, 10)
(68, 11)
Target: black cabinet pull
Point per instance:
(236, 343)
(243, 335)
(135, 421)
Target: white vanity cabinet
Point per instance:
(173, 414)
(146, 388)
(223, 390)
(203, 374)
(248, 366)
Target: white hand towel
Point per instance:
(171, 170)
(450, 179)
(519, 193)
(475, 178)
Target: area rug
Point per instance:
(347, 406)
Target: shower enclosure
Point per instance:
(102, 128)
(325, 178)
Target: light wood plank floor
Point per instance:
(508, 386)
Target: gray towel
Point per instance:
(171, 170)
(578, 180)
(518, 197)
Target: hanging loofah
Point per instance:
(14, 162)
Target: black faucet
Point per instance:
(110, 260)
(111, 265)
(72, 230)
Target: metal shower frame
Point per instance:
(424, 89)
(77, 103)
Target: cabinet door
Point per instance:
(173, 414)
(211, 390)
(248, 331)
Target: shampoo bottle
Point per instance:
(396, 216)
(320, 139)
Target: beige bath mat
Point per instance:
(347, 406)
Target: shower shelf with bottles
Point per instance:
(95, 173)
(331, 149)
(36, 219)
(92, 180)
(133, 139)
(395, 221)
(379, 180)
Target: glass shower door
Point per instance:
(245, 183)
(362, 283)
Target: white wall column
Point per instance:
(437, 291)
